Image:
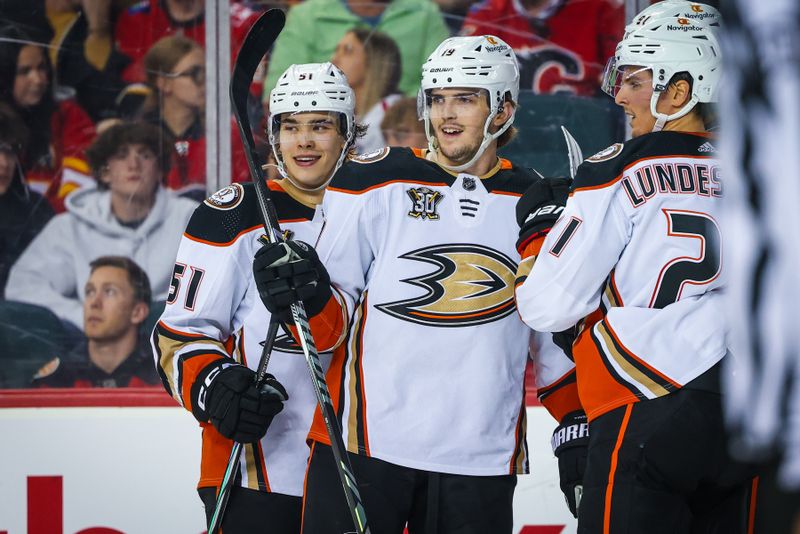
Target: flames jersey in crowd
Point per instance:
(214, 314)
(430, 360)
(637, 250)
(564, 50)
(761, 136)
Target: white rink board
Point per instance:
(134, 470)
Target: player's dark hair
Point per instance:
(136, 275)
(704, 111)
(108, 143)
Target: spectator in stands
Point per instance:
(80, 46)
(176, 76)
(59, 128)
(147, 21)
(371, 61)
(116, 303)
(314, 27)
(401, 125)
(23, 213)
(128, 214)
(561, 45)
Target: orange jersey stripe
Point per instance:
(382, 184)
(643, 363)
(613, 470)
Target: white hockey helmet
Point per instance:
(312, 87)
(667, 46)
(481, 62)
(677, 8)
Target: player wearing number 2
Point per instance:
(633, 268)
(209, 339)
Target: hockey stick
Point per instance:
(256, 44)
(263, 33)
(233, 460)
(574, 152)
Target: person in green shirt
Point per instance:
(314, 27)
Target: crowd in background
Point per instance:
(103, 149)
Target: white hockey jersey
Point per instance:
(430, 353)
(214, 313)
(638, 250)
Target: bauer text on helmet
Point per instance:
(485, 63)
(306, 88)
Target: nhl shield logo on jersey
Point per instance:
(607, 153)
(424, 202)
(470, 285)
(226, 198)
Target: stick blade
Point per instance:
(259, 39)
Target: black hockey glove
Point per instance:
(566, 339)
(539, 208)
(570, 444)
(236, 408)
(289, 272)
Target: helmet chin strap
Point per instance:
(661, 118)
(283, 172)
(433, 144)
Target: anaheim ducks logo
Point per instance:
(472, 285)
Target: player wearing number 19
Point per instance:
(209, 339)
(634, 264)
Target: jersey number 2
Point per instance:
(194, 285)
(684, 269)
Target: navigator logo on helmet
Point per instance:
(481, 62)
(312, 87)
(676, 8)
(666, 47)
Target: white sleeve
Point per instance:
(566, 281)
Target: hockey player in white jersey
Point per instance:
(209, 339)
(427, 373)
(633, 268)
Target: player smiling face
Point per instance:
(458, 116)
(310, 144)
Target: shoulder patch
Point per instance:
(370, 157)
(607, 153)
(47, 369)
(226, 198)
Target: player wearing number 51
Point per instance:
(629, 261)
(209, 340)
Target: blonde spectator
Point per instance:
(314, 27)
(371, 61)
(128, 214)
(402, 127)
(176, 76)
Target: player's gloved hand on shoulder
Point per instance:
(239, 410)
(290, 272)
(539, 208)
(570, 443)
